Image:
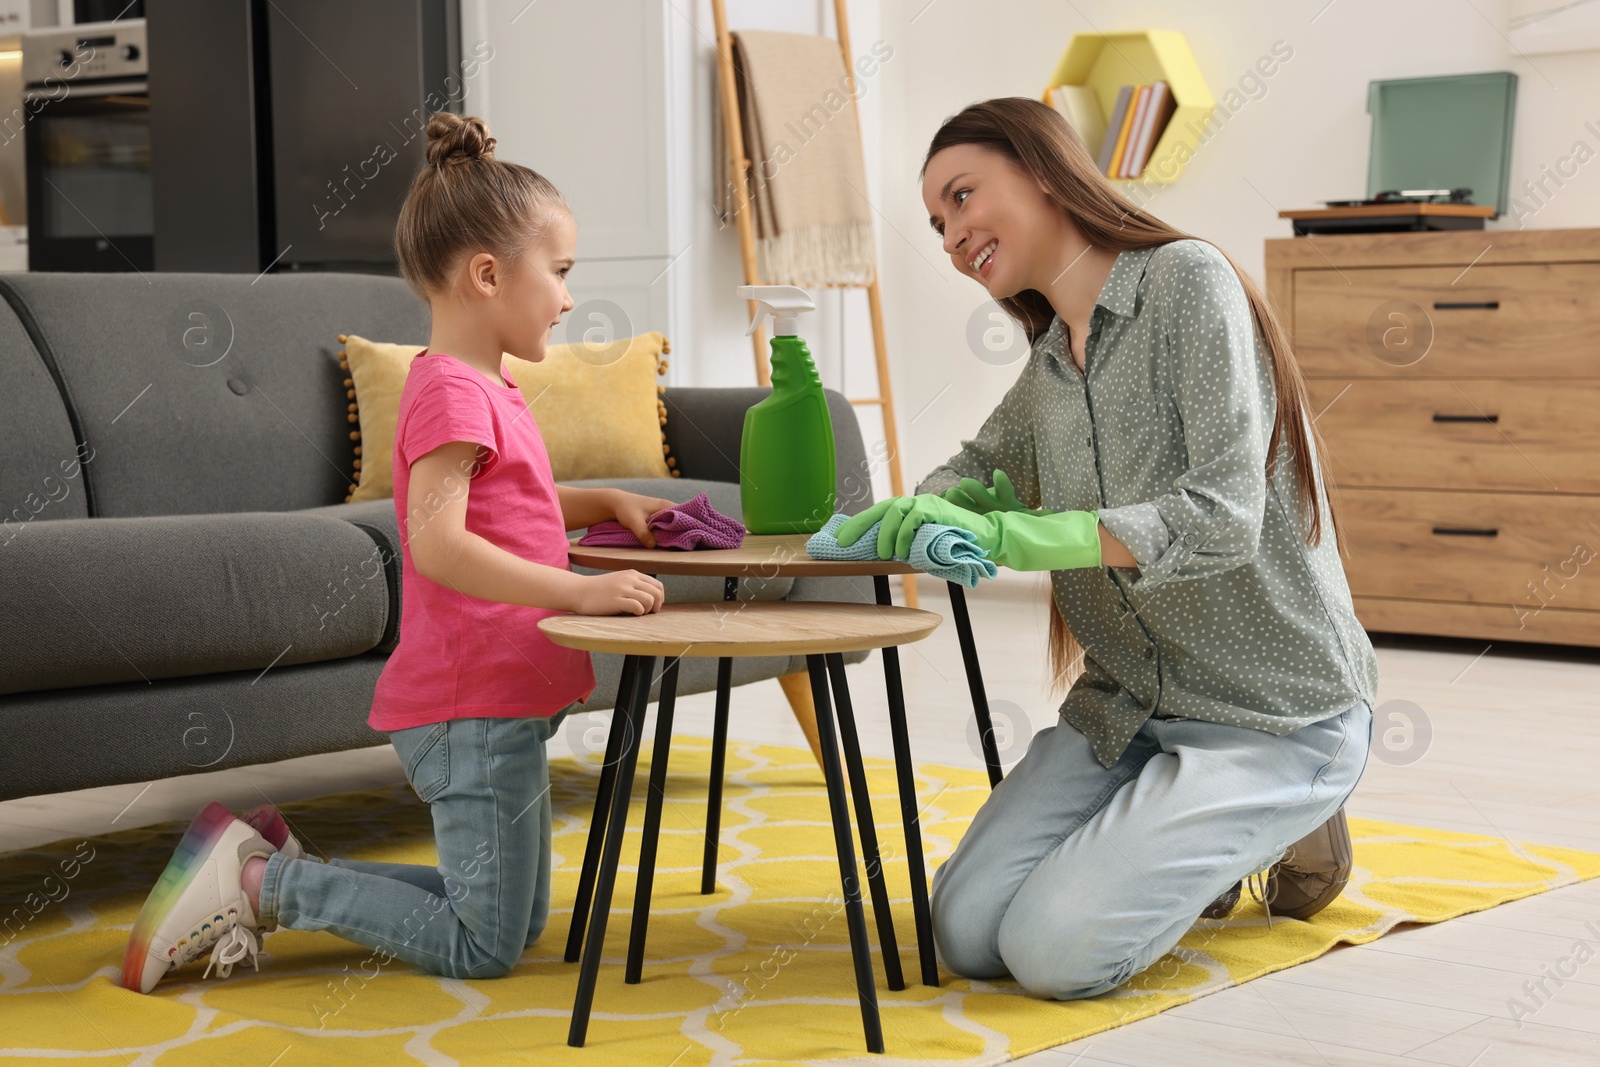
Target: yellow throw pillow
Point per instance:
(598, 408)
(376, 376)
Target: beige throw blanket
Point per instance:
(807, 183)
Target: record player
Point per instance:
(1393, 210)
(1435, 141)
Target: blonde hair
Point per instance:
(1036, 137)
(465, 201)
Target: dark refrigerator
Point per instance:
(285, 133)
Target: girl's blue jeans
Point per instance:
(487, 786)
(1074, 877)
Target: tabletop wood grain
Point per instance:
(744, 628)
(761, 555)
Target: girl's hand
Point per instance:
(634, 511)
(619, 593)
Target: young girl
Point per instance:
(474, 689)
(1165, 472)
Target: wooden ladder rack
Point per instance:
(739, 165)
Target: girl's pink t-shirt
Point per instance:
(461, 656)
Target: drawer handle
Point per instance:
(1438, 417)
(1445, 305)
(1465, 531)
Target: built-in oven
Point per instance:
(86, 105)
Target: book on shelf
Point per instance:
(1081, 107)
(1119, 112)
(1158, 110)
(1136, 112)
(1121, 141)
(1133, 128)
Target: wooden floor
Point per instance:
(1514, 752)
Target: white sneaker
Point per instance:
(198, 905)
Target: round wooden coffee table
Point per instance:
(821, 632)
(767, 556)
(784, 555)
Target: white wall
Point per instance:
(1293, 139)
(692, 266)
(1300, 137)
(709, 321)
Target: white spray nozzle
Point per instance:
(783, 302)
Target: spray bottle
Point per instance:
(787, 472)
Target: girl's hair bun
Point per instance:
(493, 205)
(456, 139)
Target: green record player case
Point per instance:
(1443, 132)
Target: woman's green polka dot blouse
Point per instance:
(1230, 616)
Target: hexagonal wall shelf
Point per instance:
(1107, 61)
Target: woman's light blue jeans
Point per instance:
(1074, 877)
(487, 786)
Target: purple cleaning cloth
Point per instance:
(691, 525)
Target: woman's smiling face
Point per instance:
(993, 216)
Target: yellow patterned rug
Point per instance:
(758, 973)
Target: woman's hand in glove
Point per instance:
(901, 515)
(1020, 540)
(978, 498)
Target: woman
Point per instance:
(1165, 470)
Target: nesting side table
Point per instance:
(821, 632)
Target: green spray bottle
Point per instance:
(787, 473)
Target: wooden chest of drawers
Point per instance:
(1456, 380)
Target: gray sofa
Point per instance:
(182, 587)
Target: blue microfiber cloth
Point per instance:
(946, 552)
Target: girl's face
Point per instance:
(535, 294)
(993, 216)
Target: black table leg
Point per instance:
(866, 825)
(719, 748)
(854, 919)
(652, 821)
(589, 969)
(909, 812)
(980, 702)
(602, 801)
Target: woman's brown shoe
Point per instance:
(1223, 905)
(1312, 873)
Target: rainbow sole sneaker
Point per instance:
(197, 905)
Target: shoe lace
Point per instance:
(233, 945)
(1262, 895)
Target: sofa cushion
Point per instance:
(41, 477)
(209, 393)
(97, 735)
(725, 498)
(98, 601)
(377, 519)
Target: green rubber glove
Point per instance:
(899, 527)
(1015, 539)
(976, 497)
(1057, 541)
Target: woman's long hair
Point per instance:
(1037, 138)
